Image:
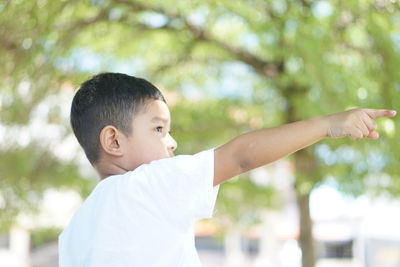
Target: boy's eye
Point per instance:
(159, 129)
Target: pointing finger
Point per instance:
(380, 113)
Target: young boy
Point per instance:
(143, 210)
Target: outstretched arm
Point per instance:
(258, 148)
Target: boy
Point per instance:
(143, 210)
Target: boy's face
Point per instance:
(150, 139)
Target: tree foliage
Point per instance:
(280, 61)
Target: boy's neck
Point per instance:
(108, 169)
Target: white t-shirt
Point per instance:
(144, 217)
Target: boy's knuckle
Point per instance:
(348, 123)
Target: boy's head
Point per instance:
(121, 122)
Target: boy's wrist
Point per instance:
(322, 123)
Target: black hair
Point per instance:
(108, 99)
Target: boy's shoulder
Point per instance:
(177, 171)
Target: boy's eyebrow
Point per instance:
(157, 118)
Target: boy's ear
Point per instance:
(110, 140)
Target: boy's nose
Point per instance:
(172, 145)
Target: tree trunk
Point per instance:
(307, 175)
(306, 237)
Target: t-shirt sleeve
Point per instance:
(182, 186)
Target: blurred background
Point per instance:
(225, 67)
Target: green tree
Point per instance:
(293, 59)
(30, 81)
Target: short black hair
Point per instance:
(108, 99)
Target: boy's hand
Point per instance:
(357, 123)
